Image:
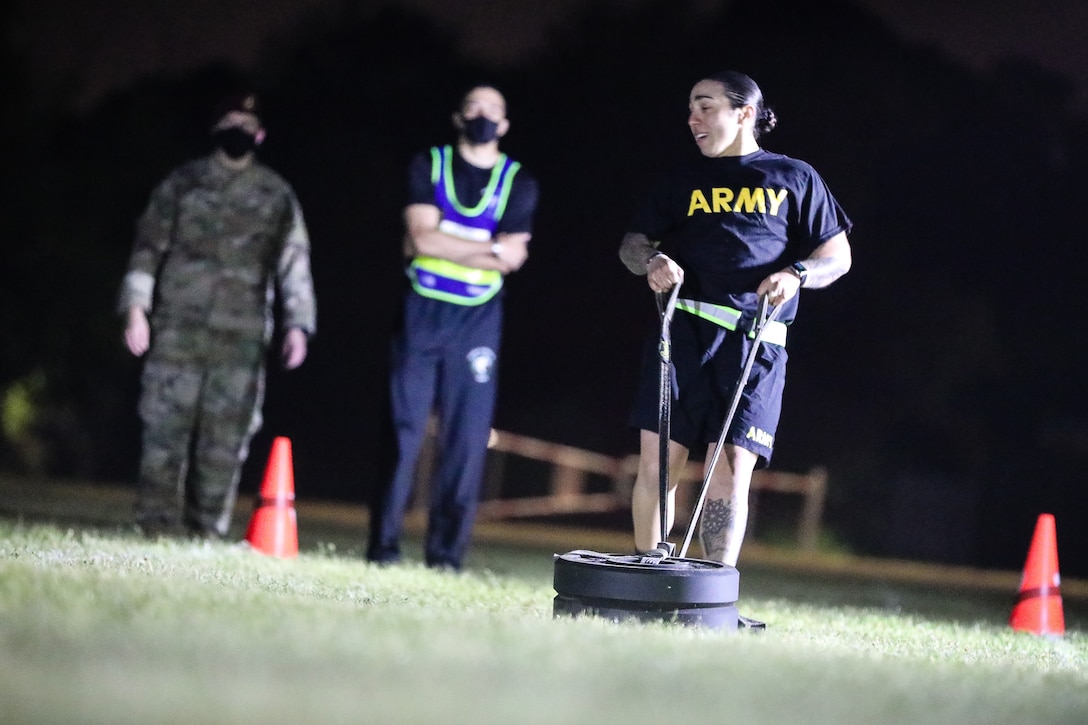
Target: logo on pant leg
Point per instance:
(480, 361)
(761, 437)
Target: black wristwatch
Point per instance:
(799, 269)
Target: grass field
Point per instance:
(99, 626)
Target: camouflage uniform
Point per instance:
(212, 250)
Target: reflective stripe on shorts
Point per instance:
(729, 317)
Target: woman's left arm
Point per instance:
(828, 262)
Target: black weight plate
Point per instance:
(722, 616)
(631, 578)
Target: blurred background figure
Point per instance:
(221, 240)
(468, 222)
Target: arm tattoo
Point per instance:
(823, 271)
(716, 527)
(635, 251)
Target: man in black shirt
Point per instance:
(468, 223)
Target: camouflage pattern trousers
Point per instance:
(198, 420)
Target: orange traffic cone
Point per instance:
(273, 529)
(1039, 607)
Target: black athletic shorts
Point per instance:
(707, 362)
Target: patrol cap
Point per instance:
(243, 102)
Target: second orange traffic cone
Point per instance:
(1038, 608)
(273, 529)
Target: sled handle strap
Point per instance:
(764, 316)
(666, 306)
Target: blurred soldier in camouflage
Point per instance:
(221, 238)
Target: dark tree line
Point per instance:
(939, 381)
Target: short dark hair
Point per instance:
(239, 101)
(473, 86)
(741, 90)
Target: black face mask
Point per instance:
(480, 130)
(235, 142)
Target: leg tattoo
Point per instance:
(716, 528)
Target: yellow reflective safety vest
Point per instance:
(448, 281)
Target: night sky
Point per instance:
(84, 50)
(926, 380)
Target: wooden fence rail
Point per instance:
(569, 470)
